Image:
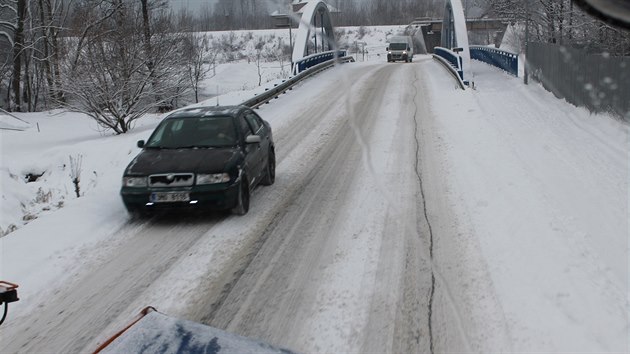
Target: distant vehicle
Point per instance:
(400, 49)
(201, 158)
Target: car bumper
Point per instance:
(397, 57)
(211, 197)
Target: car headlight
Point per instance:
(404, 53)
(213, 178)
(134, 181)
(389, 52)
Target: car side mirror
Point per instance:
(140, 143)
(387, 49)
(253, 139)
(408, 48)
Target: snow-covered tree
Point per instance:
(201, 58)
(8, 25)
(12, 33)
(559, 22)
(115, 78)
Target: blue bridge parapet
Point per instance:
(314, 59)
(452, 57)
(501, 59)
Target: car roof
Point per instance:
(208, 111)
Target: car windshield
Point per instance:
(398, 46)
(186, 132)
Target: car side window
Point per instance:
(258, 119)
(253, 122)
(244, 127)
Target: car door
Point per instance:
(252, 152)
(259, 129)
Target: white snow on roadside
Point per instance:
(539, 185)
(542, 187)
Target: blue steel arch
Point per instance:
(315, 12)
(455, 32)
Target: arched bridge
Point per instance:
(316, 23)
(315, 41)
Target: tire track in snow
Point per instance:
(66, 323)
(280, 299)
(314, 120)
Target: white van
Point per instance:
(400, 49)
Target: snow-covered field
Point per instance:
(527, 197)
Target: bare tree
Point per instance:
(259, 47)
(558, 22)
(8, 26)
(201, 59)
(18, 47)
(111, 81)
(52, 15)
(148, 47)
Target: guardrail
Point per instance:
(501, 59)
(286, 85)
(314, 59)
(451, 70)
(452, 58)
(452, 62)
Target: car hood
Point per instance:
(215, 160)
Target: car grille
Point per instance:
(171, 180)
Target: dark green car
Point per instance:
(201, 158)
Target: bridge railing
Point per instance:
(452, 58)
(496, 57)
(314, 59)
(277, 90)
(453, 63)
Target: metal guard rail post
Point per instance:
(500, 58)
(281, 88)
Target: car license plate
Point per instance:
(169, 197)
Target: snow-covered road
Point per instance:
(329, 259)
(342, 268)
(407, 215)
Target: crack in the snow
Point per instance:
(426, 216)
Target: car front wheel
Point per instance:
(270, 170)
(242, 204)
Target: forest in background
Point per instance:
(118, 59)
